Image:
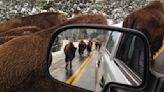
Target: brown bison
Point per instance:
(69, 51)
(6, 39)
(150, 21)
(23, 65)
(42, 21)
(15, 32)
(19, 31)
(89, 46)
(82, 46)
(98, 44)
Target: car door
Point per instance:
(123, 59)
(130, 58)
(111, 71)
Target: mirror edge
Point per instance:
(99, 26)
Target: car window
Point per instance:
(131, 53)
(112, 40)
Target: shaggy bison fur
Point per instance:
(42, 21)
(98, 44)
(69, 51)
(82, 46)
(15, 32)
(6, 39)
(150, 21)
(89, 46)
(19, 31)
(23, 62)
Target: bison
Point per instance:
(15, 32)
(19, 31)
(24, 56)
(89, 46)
(82, 46)
(69, 51)
(41, 20)
(150, 21)
(4, 39)
(23, 62)
(98, 44)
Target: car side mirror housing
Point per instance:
(93, 56)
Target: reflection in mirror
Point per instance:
(89, 57)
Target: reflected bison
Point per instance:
(89, 46)
(23, 65)
(69, 51)
(98, 44)
(150, 21)
(82, 46)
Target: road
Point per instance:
(82, 73)
(159, 61)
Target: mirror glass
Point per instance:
(88, 58)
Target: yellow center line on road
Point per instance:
(88, 60)
(158, 52)
(76, 76)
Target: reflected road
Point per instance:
(159, 62)
(82, 73)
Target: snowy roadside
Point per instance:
(61, 51)
(118, 25)
(110, 23)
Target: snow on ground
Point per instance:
(76, 43)
(110, 23)
(118, 25)
(63, 45)
(61, 51)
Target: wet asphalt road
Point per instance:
(86, 75)
(158, 65)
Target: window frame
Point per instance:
(129, 73)
(115, 46)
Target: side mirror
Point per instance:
(92, 56)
